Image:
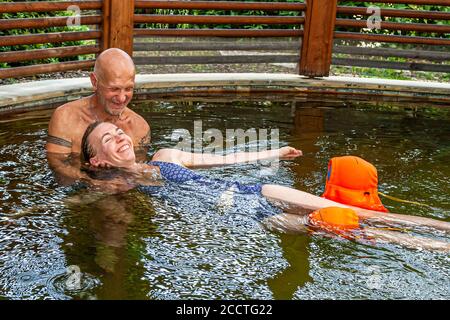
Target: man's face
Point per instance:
(115, 95)
(111, 146)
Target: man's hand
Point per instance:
(288, 153)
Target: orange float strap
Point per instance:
(353, 181)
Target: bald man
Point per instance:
(113, 84)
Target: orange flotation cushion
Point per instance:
(353, 181)
(335, 218)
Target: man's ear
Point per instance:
(94, 81)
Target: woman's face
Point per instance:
(111, 146)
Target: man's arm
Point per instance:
(58, 137)
(66, 170)
(59, 148)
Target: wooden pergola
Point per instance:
(316, 28)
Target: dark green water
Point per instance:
(132, 246)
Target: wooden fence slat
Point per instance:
(18, 56)
(216, 59)
(202, 19)
(45, 68)
(40, 23)
(220, 5)
(391, 65)
(49, 38)
(398, 53)
(48, 6)
(391, 38)
(215, 46)
(421, 27)
(218, 33)
(400, 13)
(418, 2)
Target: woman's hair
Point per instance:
(87, 152)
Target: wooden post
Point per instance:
(317, 46)
(106, 20)
(120, 24)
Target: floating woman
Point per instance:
(351, 180)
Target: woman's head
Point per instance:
(104, 143)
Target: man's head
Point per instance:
(113, 80)
(104, 143)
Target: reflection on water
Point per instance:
(65, 242)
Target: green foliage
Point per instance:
(25, 15)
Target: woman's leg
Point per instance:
(407, 240)
(305, 203)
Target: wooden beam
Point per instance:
(42, 23)
(216, 59)
(220, 5)
(418, 2)
(47, 6)
(389, 52)
(39, 54)
(421, 27)
(106, 25)
(45, 68)
(412, 66)
(391, 38)
(420, 14)
(121, 25)
(317, 45)
(205, 19)
(54, 37)
(234, 33)
(215, 46)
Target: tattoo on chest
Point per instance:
(59, 141)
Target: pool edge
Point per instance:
(29, 95)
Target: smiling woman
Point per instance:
(104, 144)
(108, 147)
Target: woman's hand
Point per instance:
(288, 153)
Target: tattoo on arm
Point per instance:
(59, 141)
(145, 141)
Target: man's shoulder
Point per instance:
(137, 120)
(69, 109)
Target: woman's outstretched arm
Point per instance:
(202, 160)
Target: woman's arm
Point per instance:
(199, 160)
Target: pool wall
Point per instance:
(31, 95)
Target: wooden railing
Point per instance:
(45, 38)
(229, 39)
(321, 33)
(432, 46)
